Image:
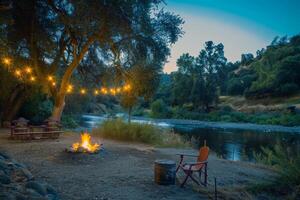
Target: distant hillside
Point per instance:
(275, 71)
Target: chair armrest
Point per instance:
(190, 155)
(195, 163)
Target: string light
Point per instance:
(82, 91)
(6, 61)
(127, 87)
(113, 91)
(32, 78)
(18, 72)
(28, 70)
(50, 78)
(118, 90)
(104, 90)
(69, 88)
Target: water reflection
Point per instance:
(239, 145)
(231, 145)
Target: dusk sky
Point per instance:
(243, 26)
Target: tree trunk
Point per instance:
(129, 114)
(14, 103)
(58, 108)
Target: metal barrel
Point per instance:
(165, 172)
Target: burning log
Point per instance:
(85, 145)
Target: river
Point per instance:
(231, 141)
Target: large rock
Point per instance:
(21, 175)
(17, 182)
(38, 187)
(3, 165)
(4, 179)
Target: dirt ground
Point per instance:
(122, 171)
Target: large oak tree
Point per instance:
(55, 37)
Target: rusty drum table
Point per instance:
(164, 172)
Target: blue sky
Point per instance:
(243, 26)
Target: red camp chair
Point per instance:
(191, 167)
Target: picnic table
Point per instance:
(20, 129)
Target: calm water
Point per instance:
(231, 145)
(240, 145)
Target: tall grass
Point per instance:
(287, 164)
(118, 129)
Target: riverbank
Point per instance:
(191, 124)
(124, 170)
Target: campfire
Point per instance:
(85, 145)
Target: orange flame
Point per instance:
(86, 144)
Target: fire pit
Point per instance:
(85, 145)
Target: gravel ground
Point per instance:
(122, 171)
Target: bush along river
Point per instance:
(231, 141)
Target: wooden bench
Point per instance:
(21, 130)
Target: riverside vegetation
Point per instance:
(286, 162)
(118, 129)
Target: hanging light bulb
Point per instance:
(82, 91)
(127, 87)
(96, 92)
(113, 91)
(32, 78)
(69, 88)
(18, 72)
(28, 70)
(104, 90)
(6, 61)
(50, 78)
(118, 90)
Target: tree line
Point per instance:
(199, 81)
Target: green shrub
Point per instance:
(286, 161)
(69, 121)
(118, 129)
(288, 89)
(159, 109)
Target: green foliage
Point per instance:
(226, 114)
(238, 84)
(117, 129)
(159, 109)
(277, 70)
(70, 121)
(37, 108)
(197, 79)
(286, 161)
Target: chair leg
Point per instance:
(200, 175)
(205, 174)
(194, 180)
(181, 159)
(186, 178)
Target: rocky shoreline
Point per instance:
(17, 182)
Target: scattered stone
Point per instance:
(3, 165)
(4, 179)
(33, 194)
(50, 190)
(38, 187)
(21, 175)
(4, 155)
(17, 182)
